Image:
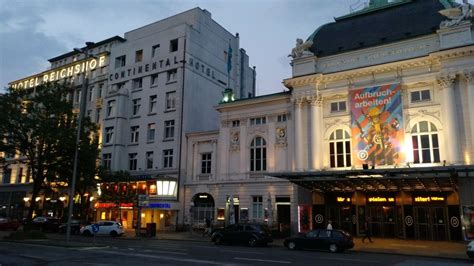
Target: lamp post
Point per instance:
(82, 107)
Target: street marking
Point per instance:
(165, 258)
(260, 260)
(236, 251)
(90, 248)
(332, 258)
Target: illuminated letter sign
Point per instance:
(377, 125)
(428, 199)
(381, 199)
(343, 199)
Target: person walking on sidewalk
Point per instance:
(368, 231)
(207, 231)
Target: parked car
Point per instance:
(9, 224)
(105, 228)
(75, 227)
(470, 249)
(322, 239)
(46, 224)
(244, 233)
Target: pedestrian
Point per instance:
(368, 232)
(329, 227)
(207, 231)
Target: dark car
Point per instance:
(245, 233)
(8, 224)
(75, 227)
(322, 239)
(46, 224)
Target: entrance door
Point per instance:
(422, 223)
(376, 218)
(389, 221)
(283, 212)
(438, 222)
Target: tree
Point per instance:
(118, 188)
(40, 126)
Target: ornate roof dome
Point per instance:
(380, 23)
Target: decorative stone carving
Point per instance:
(456, 15)
(234, 141)
(316, 100)
(468, 75)
(424, 113)
(301, 49)
(299, 101)
(281, 136)
(446, 81)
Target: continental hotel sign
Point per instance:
(63, 72)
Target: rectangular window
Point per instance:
(134, 134)
(151, 132)
(154, 79)
(152, 105)
(7, 173)
(258, 121)
(169, 129)
(99, 90)
(206, 163)
(236, 123)
(138, 56)
(107, 160)
(137, 83)
(257, 207)
(89, 94)
(174, 45)
(20, 175)
(120, 61)
(110, 108)
(97, 115)
(77, 99)
(281, 118)
(167, 158)
(109, 135)
(420, 96)
(120, 86)
(338, 106)
(132, 161)
(149, 160)
(136, 106)
(155, 50)
(170, 100)
(172, 75)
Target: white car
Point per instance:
(105, 228)
(470, 249)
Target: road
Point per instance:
(169, 252)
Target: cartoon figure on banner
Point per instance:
(377, 138)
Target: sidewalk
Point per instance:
(437, 249)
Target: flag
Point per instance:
(229, 59)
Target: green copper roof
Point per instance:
(374, 5)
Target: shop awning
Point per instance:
(436, 178)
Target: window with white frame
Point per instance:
(257, 207)
(149, 160)
(206, 159)
(170, 100)
(340, 149)
(134, 134)
(281, 118)
(136, 103)
(258, 155)
(169, 129)
(338, 107)
(151, 132)
(420, 96)
(132, 161)
(155, 50)
(89, 93)
(424, 137)
(109, 135)
(99, 90)
(97, 115)
(258, 120)
(152, 105)
(107, 160)
(120, 61)
(110, 108)
(236, 123)
(120, 86)
(172, 75)
(168, 158)
(154, 79)
(137, 83)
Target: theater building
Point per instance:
(376, 125)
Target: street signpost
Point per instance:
(95, 230)
(143, 200)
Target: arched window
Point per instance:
(424, 137)
(340, 149)
(258, 155)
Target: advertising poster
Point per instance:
(377, 125)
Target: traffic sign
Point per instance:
(95, 228)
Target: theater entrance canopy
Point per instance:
(437, 178)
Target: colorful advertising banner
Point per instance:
(377, 125)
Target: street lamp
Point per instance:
(82, 107)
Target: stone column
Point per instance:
(450, 119)
(214, 159)
(469, 76)
(316, 112)
(299, 133)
